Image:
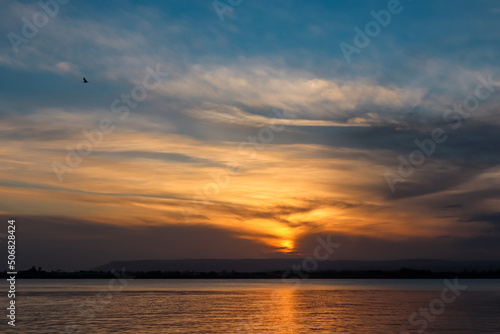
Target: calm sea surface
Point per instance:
(254, 306)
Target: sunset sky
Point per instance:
(263, 135)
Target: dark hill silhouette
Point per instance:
(263, 265)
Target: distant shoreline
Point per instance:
(403, 273)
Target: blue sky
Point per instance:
(323, 170)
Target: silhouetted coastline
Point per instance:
(403, 273)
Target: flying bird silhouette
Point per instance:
(84, 80)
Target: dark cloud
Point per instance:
(280, 213)
(485, 243)
(163, 156)
(434, 177)
(491, 219)
(358, 247)
(73, 244)
(33, 133)
(489, 237)
(452, 206)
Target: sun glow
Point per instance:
(286, 246)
